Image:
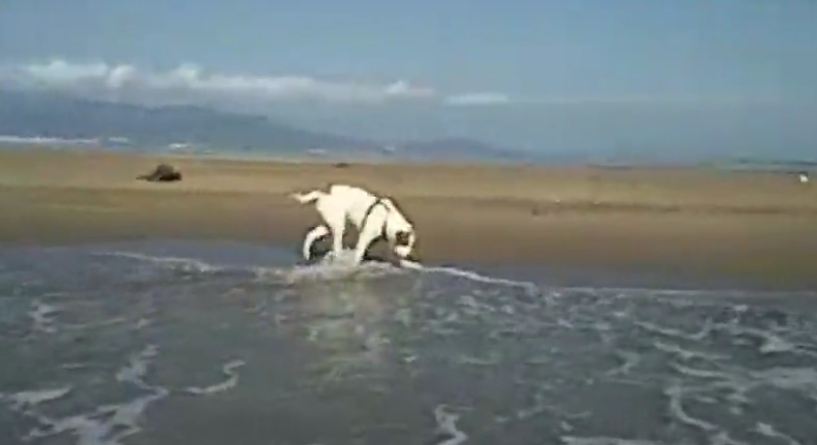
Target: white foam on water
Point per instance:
(41, 316)
(330, 268)
(137, 366)
(447, 424)
(629, 361)
(531, 411)
(770, 343)
(465, 359)
(228, 369)
(671, 332)
(717, 436)
(740, 382)
(340, 267)
(178, 263)
(93, 324)
(683, 353)
(773, 344)
(699, 373)
(267, 274)
(770, 431)
(474, 276)
(675, 394)
(682, 295)
(575, 440)
(723, 438)
(108, 424)
(28, 399)
(797, 379)
(74, 365)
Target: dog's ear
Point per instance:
(402, 238)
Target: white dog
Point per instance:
(374, 218)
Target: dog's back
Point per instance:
(354, 200)
(344, 201)
(349, 193)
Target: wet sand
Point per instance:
(747, 227)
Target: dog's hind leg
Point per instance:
(338, 229)
(334, 217)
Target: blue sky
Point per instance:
(664, 78)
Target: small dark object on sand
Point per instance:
(342, 165)
(162, 173)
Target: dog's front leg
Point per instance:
(367, 236)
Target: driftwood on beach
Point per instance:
(162, 173)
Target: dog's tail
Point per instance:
(305, 198)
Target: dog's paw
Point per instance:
(408, 264)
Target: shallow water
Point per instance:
(219, 343)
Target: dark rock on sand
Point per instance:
(163, 173)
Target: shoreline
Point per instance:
(751, 227)
(739, 165)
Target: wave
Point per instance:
(177, 263)
(28, 399)
(45, 140)
(341, 267)
(42, 317)
(770, 431)
(575, 440)
(474, 276)
(344, 268)
(447, 425)
(327, 269)
(104, 425)
(229, 369)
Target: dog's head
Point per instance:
(404, 243)
(400, 232)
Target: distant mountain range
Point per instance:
(26, 116)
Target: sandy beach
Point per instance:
(749, 227)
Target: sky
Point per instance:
(669, 79)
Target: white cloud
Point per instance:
(482, 98)
(189, 84)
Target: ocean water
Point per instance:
(220, 343)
